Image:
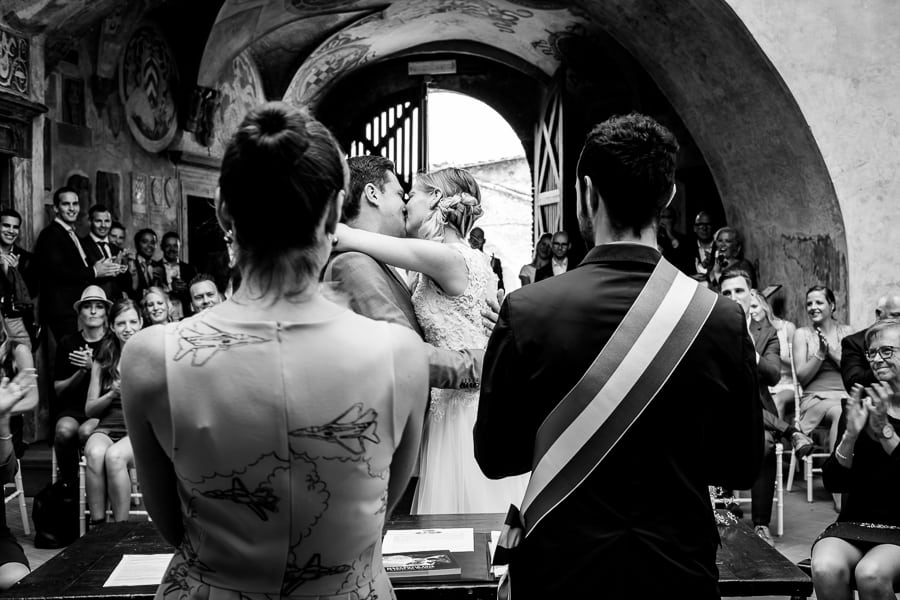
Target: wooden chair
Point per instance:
(137, 498)
(19, 493)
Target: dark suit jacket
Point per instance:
(375, 290)
(116, 286)
(765, 340)
(854, 366)
(642, 520)
(546, 272)
(62, 274)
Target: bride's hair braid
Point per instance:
(459, 205)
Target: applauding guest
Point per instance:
(864, 544)
(284, 425)
(817, 360)
(17, 395)
(108, 451)
(156, 307)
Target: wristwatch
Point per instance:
(887, 432)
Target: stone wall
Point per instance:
(841, 61)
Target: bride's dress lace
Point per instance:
(449, 478)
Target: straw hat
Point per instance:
(90, 293)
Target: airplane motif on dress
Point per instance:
(205, 341)
(349, 430)
(259, 500)
(312, 570)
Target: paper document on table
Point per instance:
(457, 539)
(497, 570)
(139, 569)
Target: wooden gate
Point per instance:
(397, 131)
(548, 166)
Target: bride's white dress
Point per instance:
(449, 478)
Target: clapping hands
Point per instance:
(12, 392)
(857, 411)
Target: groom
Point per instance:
(375, 202)
(639, 524)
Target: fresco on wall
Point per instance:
(240, 89)
(14, 57)
(512, 28)
(147, 84)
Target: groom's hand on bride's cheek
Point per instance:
(490, 315)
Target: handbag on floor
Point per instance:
(55, 515)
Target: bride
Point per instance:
(449, 294)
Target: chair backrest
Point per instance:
(798, 391)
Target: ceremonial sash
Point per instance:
(623, 379)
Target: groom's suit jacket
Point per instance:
(641, 524)
(375, 290)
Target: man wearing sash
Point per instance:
(622, 443)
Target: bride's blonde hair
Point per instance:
(458, 206)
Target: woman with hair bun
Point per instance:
(452, 289)
(275, 431)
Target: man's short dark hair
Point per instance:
(364, 170)
(631, 162)
(200, 278)
(141, 233)
(57, 195)
(734, 273)
(11, 212)
(97, 208)
(168, 235)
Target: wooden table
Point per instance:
(747, 565)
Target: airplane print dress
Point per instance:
(283, 435)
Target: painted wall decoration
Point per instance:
(173, 198)
(14, 57)
(157, 194)
(147, 83)
(240, 89)
(138, 194)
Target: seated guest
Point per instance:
(108, 451)
(178, 273)
(156, 308)
(863, 546)
(559, 260)
(817, 362)
(287, 493)
(854, 365)
(542, 255)
(74, 357)
(761, 311)
(735, 284)
(17, 395)
(204, 293)
(729, 254)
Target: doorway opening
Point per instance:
(467, 133)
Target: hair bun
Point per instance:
(271, 121)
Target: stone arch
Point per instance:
(766, 165)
